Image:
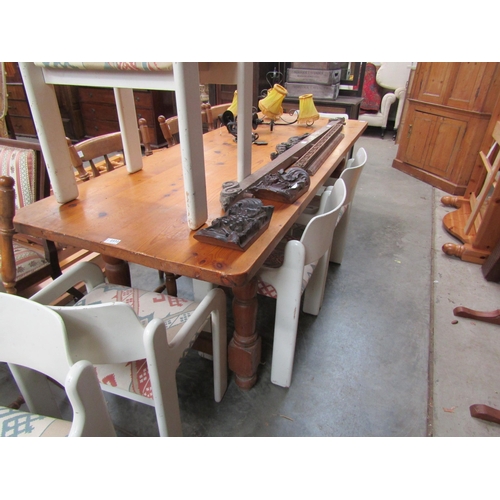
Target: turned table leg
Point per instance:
(245, 346)
(117, 271)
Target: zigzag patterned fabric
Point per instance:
(173, 311)
(15, 423)
(20, 164)
(109, 66)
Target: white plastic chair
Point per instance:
(136, 339)
(350, 175)
(304, 270)
(34, 338)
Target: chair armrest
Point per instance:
(85, 272)
(387, 101)
(401, 96)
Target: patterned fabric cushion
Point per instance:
(174, 312)
(269, 291)
(371, 90)
(129, 66)
(21, 165)
(15, 423)
(27, 260)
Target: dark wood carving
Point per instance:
(242, 224)
(322, 142)
(316, 156)
(283, 146)
(285, 186)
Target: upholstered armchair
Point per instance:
(390, 84)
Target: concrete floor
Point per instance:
(383, 358)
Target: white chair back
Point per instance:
(107, 333)
(33, 336)
(34, 343)
(318, 234)
(352, 173)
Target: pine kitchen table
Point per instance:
(141, 218)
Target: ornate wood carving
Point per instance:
(285, 186)
(318, 144)
(315, 157)
(242, 224)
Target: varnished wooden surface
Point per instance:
(146, 211)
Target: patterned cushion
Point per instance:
(27, 260)
(15, 423)
(21, 165)
(269, 291)
(371, 90)
(276, 260)
(96, 66)
(174, 312)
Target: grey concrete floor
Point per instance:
(383, 357)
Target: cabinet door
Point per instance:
(470, 85)
(434, 142)
(420, 130)
(445, 146)
(432, 82)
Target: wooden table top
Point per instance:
(144, 213)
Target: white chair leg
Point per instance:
(285, 335)
(339, 238)
(315, 290)
(163, 360)
(200, 290)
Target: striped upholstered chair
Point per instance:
(23, 180)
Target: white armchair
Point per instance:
(391, 76)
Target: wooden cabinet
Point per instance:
(18, 108)
(447, 113)
(100, 116)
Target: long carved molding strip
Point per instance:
(242, 224)
(316, 156)
(285, 186)
(232, 190)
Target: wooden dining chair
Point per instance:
(136, 339)
(299, 267)
(104, 153)
(23, 261)
(213, 114)
(209, 119)
(34, 343)
(170, 129)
